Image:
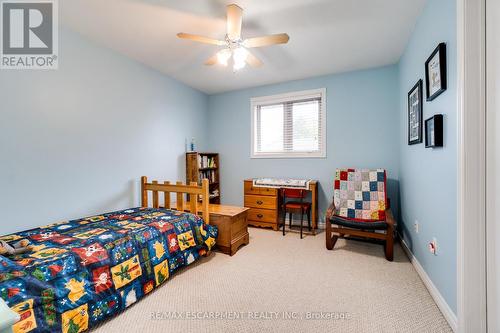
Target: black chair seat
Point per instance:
(379, 225)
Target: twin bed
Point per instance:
(84, 271)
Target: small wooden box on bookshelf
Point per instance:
(204, 165)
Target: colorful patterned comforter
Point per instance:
(84, 271)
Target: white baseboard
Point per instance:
(448, 314)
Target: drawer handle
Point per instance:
(259, 202)
(260, 216)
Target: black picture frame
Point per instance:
(434, 131)
(435, 73)
(415, 114)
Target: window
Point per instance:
(289, 125)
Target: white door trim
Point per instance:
(471, 210)
(492, 164)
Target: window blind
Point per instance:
(292, 125)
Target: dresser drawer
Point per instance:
(250, 189)
(260, 201)
(262, 215)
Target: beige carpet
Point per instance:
(276, 284)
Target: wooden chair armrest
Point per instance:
(330, 211)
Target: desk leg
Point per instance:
(314, 190)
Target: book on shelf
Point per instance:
(205, 161)
(214, 194)
(209, 174)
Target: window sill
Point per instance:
(292, 155)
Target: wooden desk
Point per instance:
(265, 202)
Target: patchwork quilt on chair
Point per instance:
(360, 194)
(83, 271)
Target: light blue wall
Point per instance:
(75, 141)
(362, 131)
(428, 177)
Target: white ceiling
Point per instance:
(326, 36)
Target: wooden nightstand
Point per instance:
(233, 227)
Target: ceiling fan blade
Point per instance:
(253, 60)
(266, 40)
(212, 60)
(200, 39)
(234, 20)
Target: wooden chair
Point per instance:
(360, 208)
(296, 205)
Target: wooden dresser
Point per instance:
(263, 204)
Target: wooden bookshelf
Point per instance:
(204, 165)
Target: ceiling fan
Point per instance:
(234, 46)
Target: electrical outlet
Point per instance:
(416, 226)
(433, 247)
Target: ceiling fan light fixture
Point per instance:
(239, 58)
(234, 46)
(223, 56)
(238, 65)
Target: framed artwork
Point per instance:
(415, 114)
(435, 72)
(434, 131)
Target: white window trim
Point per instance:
(254, 101)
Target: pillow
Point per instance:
(8, 317)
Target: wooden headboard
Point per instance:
(193, 190)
